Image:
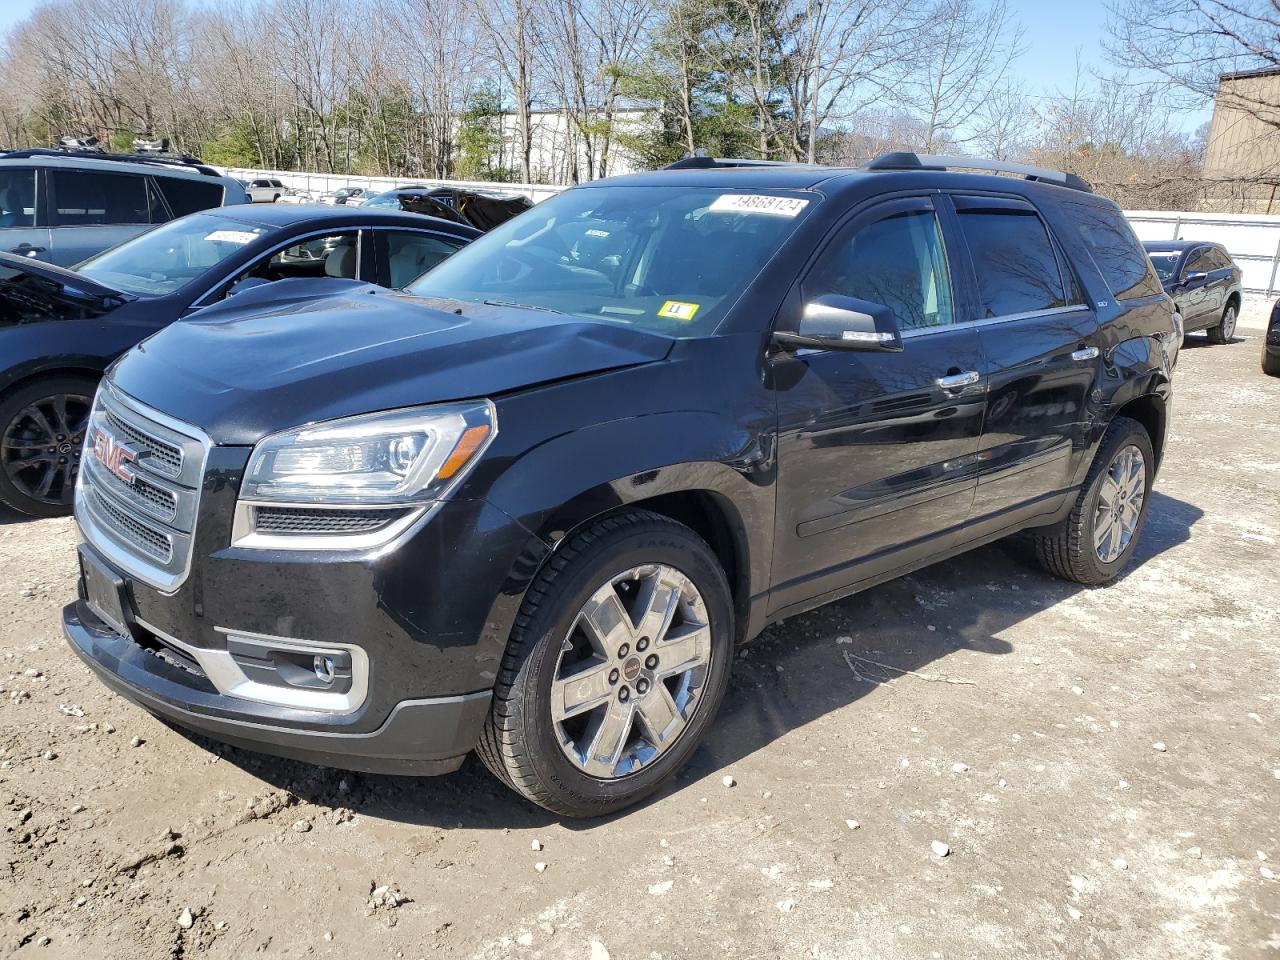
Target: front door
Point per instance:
(20, 212)
(1041, 342)
(876, 451)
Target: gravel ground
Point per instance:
(1102, 767)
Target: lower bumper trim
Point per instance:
(419, 737)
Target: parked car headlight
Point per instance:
(400, 457)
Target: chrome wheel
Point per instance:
(1120, 498)
(631, 672)
(40, 448)
(1228, 323)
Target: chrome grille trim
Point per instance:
(147, 527)
(160, 457)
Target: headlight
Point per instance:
(403, 457)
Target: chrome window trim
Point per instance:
(994, 321)
(95, 533)
(199, 301)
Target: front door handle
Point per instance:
(956, 381)
(1085, 353)
(27, 250)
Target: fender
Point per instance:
(562, 484)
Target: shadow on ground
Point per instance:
(793, 674)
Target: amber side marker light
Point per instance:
(468, 443)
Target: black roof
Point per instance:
(288, 214)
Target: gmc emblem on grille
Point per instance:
(113, 454)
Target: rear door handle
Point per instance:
(955, 381)
(1085, 353)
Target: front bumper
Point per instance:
(418, 737)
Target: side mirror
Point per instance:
(1191, 279)
(833, 322)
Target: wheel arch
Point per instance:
(63, 368)
(1150, 410)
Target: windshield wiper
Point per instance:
(523, 306)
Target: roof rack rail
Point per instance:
(905, 160)
(174, 160)
(713, 163)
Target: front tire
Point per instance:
(1093, 544)
(42, 427)
(1226, 328)
(618, 662)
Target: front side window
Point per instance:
(84, 199)
(1014, 262)
(1198, 262)
(672, 260)
(899, 262)
(162, 260)
(411, 254)
(1217, 259)
(17, 198)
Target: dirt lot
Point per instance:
(1103, 765)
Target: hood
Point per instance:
(244, 369)
(35, 292)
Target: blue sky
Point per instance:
(1055, 32)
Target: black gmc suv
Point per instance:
(529, 505)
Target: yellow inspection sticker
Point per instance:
(678, 310)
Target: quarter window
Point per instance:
(899, 262)
(1014, 262)
(17, 198)
(1119, 257)
(189, 196)
(90, 199)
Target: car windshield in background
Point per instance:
(1165, 263)
(668, 259)
(170, 256)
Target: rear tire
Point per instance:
(1081, 548)
(42, 426)
(546, 736)
(1226, 328)
(1270, 363)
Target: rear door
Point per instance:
(1041, 343)
(876, 451)
(23, 229)
(90, 211)
(405, 255)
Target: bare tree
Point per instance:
(965, 54)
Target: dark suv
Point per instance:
(1205, 283)
(529, 506)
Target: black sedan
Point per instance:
(1205, 283)
(59, 329)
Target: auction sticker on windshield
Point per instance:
(678, 310)
(232, 236)
(758, 203)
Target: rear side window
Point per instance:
(189, 196)
(89, 199)
(17, 198)
(1014, 262)
(410, 255)
(1116, 252)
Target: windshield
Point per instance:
(668, 259)
(170, 256)
(1165, 262)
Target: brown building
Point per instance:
(1242, 152)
